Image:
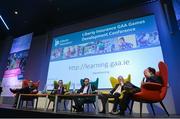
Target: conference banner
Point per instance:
(15, 69)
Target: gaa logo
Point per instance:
(56, 43)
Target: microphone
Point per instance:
(143, 79)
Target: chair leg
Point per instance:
(128, 108)
(164, 108)
(26, 103)
(54, 106)
(131, 108)
(71, 104)
(32, 102)
(65, 105)
(127, 105)
(36, 103)
(20, 103)
(140, 109)
(48, 104)
(87, 107)
(152, 109)
(94, 105)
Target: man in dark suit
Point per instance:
(58, 89)
(116, 92)
(86, 88)
(130, 89)
(150, 76)
(25, 90)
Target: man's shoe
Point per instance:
(102, 111)
(122, 113)
(79, 110)
(75, 108)
(115, 112)
(12, 90)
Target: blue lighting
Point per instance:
(4, 23)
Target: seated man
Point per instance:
(115, 92)
(59, 89)
(130, 89)
(85, 89)
(150, 76)
(25, 90)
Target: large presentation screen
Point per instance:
(123, 48)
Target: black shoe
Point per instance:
(102, 111)
(78, 109)
(122, 113)
(12, 90)
(75, 107)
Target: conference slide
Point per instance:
(123, 48)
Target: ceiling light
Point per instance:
(15, 12)
(4, 22)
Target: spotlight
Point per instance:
(16, 12)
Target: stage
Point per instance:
(7, 111)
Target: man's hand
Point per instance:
(35, 90)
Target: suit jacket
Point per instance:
(57, 91)
(93, 88)
(116, 86)
(129, 87)
(88, 99)
(26, 90)
(155, 79)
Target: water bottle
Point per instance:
(73, 88)
(45, 89)
(90, 89)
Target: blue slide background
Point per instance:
(122, 48)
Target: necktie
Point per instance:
(60, 91)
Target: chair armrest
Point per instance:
(94, 92)
(67, 93)
(104, 92)
(151, 86)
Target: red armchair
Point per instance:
(153, 92)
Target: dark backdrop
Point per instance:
(38, 61)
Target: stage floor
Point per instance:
(7, 111)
